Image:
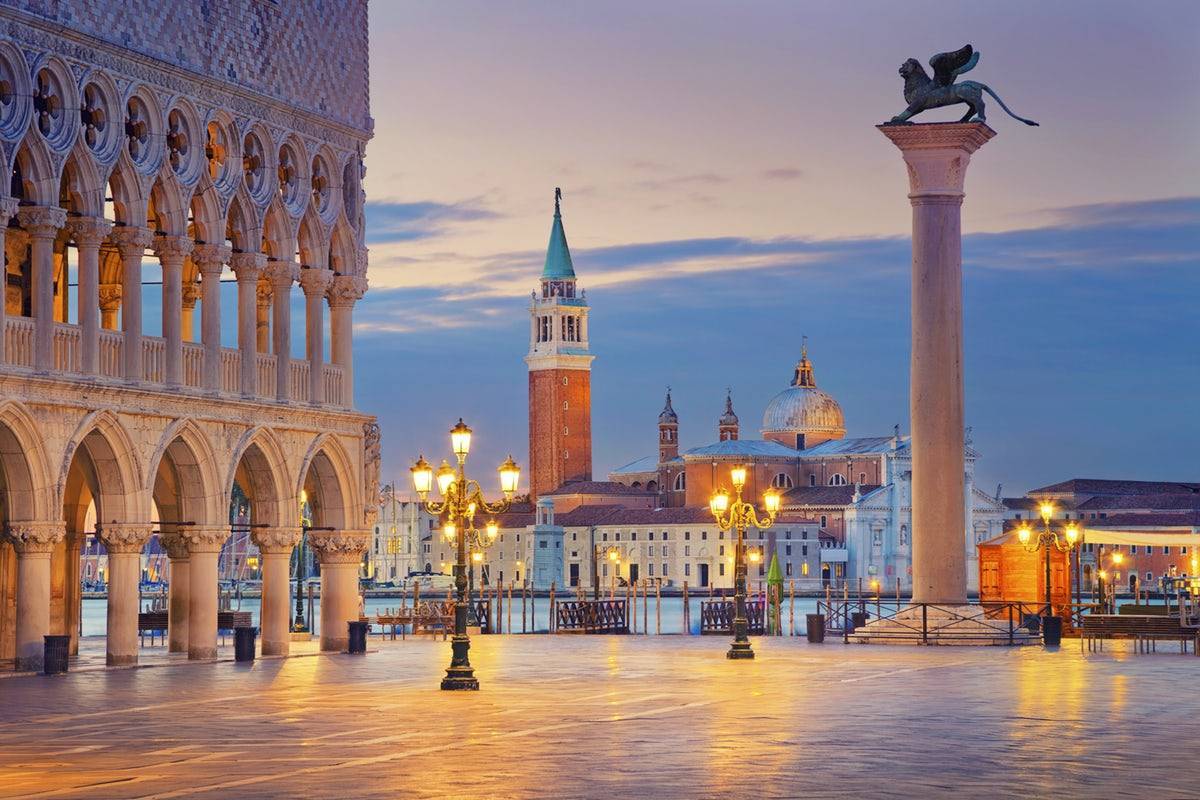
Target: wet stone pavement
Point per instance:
(604, 717)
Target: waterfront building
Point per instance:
(396, 539)
(858, 490)
(215, 140)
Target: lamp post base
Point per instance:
(740, 650)
(458, 678)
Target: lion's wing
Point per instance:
(948, 66)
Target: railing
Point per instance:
(591, 616)
(68, 359)
(920, 621)
(716, 617)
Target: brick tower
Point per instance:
(560, 371)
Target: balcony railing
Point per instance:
(68, 357)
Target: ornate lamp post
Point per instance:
(299, 625)
(613, 555)
(462, 498)
(1115, 559)
(739, 515)
(1046, 540)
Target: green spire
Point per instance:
(558, 255)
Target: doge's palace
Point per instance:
(217, 140)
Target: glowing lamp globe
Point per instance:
(422, 477)
(738, 476)
(493, 530)
(450, 531)
(1047, 510)
(613, 555)
(510, 474)
(1118, 558)
(1072, 534)
(772, 501)
(445, 477)
(476, 556)
(719, 502)
(460, 439)
(1023, 534)
(755, 557)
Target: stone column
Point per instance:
(177, 600)
(343, 294)
(171, 251)
(89, 233)
(191, 293)
(203, 546)
(42, 224)
(262, 315)
(275, 546)
(33, 543)
(282, 275)
(110, 305)
(124, 544)
(210, 260)
(315, 282)
(340, 554)
(8, 210)
(248, 268)
(132, 242)
(937, 156)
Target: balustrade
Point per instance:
(19, 353)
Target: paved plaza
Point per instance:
(614, 717)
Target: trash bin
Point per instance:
(243, 642)
(1052, 631)
(815, 628)
(858, 619)
(55, 654)
(358, 636)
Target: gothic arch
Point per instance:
(168, 207)
(243, 228)
(207, 218)
(327, 477)
(129, 198)
(312, 240)
(35, 176)
(25, 477)
(82, 186)
(183, 452)
(260, 468)
(279, 241)
(342, 252)
(115, 479)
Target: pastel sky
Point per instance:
(725, 193)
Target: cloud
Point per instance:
(783, 174)
(389, 222)
(692, 180)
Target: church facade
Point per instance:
(857, 490)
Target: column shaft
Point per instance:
(8, 209)
(248, 267)
(124, 573)
(33, 542)
(202, 605)
(42, 224)
(315, 282)
(282, 274)
(172, 250)
(132, 243)
(177, 606)
(343, 294)
(89, 307)
(210, 260)
(341, 557)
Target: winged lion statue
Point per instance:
(923, 93)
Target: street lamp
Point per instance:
(1115, 559)
(462, 498)
(298, 624)
(1048, 539)
(739, 515)
(612, 555)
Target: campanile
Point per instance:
(560, 371)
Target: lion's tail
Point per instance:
(996, 97)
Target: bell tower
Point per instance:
(560, 371)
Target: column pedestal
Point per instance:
(33, 542)
(275, 546)
(178, 592)
(340, 554)
(124, 544)
(937, 156)
(203, 546)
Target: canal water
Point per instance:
(536, 613)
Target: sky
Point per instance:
(725, 193)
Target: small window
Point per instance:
(788, 569)
(782, 481)
(687, 549)
(812, 480)
(564, 384)
(652, 536)
(633, 536)
(824, 521)
(862, 477)
(687, 569)
(680, 482)
(721, 569)
(837, 479)
(542, 544)
(787, 549)
(664, 569)
(564, 405)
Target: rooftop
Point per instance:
(857, 446)
(595, 487)
(645, 464)
(758, 448)
(1155, 502)
(1116, 487)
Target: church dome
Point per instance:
(802, 413)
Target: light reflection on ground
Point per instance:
(574, 716)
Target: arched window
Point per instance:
(812, 480)
(862, 477)
(837, 479)
(782, 481)
(681, 481)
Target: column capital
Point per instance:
(339, 547)
(172, 248)
(8, 209)
(315, 281)
(937, 154)
(191, 293)
(124, 538)
(175, 546)
(131, 240)
(247, 266)
(89, 230)
(264, 292)
(278, 541)
(204, 538)
(110, 296)
(211, 258)
(42, 221)
(282, 274)
(35, 537)
(346, 290)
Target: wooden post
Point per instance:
(631, 598)
(897, 592)
(687, 610)
(522, 606)
(645, 611)
(791, 608)
(658, 608)
(550, 619)
(510, 588)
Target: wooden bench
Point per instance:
(1145, 630)
(153, 623)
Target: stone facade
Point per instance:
(212, 135)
